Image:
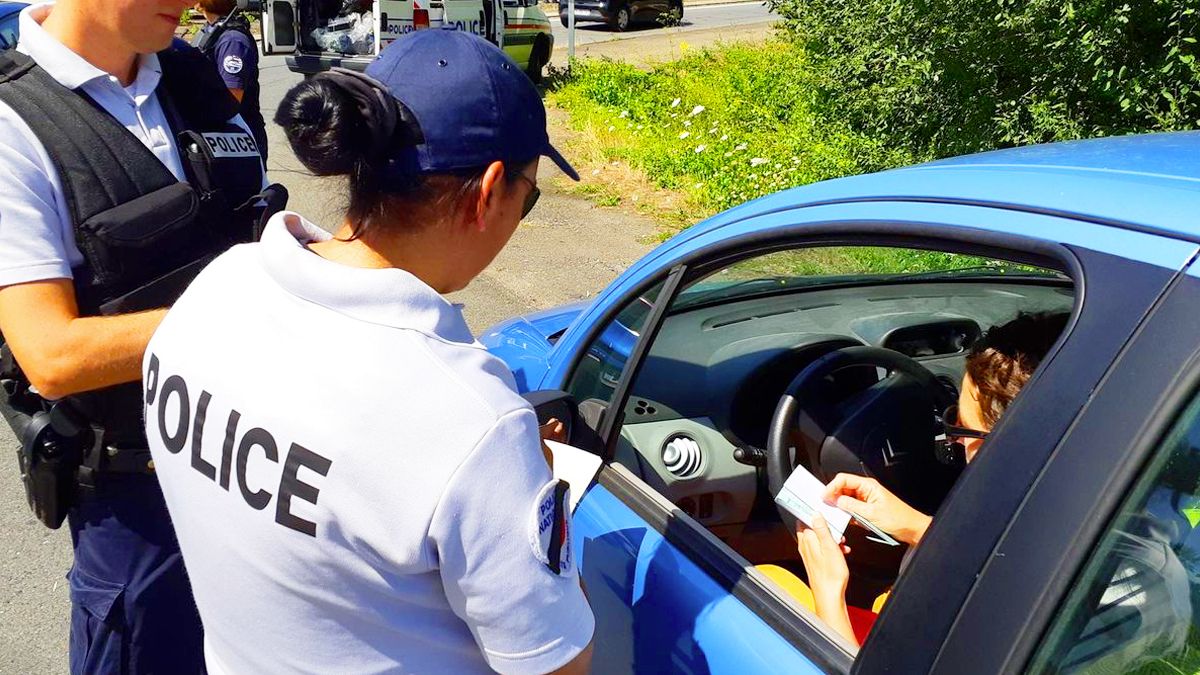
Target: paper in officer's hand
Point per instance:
(803, 496)
(575, 466)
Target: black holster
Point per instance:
(48, 458)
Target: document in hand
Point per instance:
(803, 496)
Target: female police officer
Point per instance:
(355, 483)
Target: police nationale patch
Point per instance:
(550, 529)
(233, 64)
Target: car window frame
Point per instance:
(931, 232)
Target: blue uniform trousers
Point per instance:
(131, 603)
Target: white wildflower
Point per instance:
(701, 148)
(639, 127)
(624, 114)
(595, 172)
(687, 123)
(757, 161)
(696, 111)
(611, 128)
(740, 146)
(675, 103)
(729, 154)
(684, 135)
(725, 137)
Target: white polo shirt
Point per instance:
(37, 240)
(354, 481)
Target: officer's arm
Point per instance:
(580, 665)
(63, 353)
(238, 94)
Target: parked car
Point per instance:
(621, 14)
(1070, 544)
(9, 29)
(520, 27)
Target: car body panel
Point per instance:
(657, 611)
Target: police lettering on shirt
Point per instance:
(237, 452)
(231, 144)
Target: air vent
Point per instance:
(682, 455)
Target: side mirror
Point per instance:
(551, 404)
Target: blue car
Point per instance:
(826, 327)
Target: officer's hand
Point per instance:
(865, 497)
(552, 431)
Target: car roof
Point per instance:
(6, 7)
(1149, 182)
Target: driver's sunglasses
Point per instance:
(531, 199)
(954, 429)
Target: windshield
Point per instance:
(807, 268)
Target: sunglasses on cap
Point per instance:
(955, 430)
(531, 199)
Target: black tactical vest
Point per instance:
(144, 235)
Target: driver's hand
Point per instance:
(865, 497)
(828, 575)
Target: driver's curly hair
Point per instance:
(1004, 358)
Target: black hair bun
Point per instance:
(324, 127)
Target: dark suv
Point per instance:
(620, 14)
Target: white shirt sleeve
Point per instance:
(32, 246)
(525, 617)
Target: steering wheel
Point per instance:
(886, 429)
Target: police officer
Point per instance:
(227, 41)
(355, 482)
(123, 170)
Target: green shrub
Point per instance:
(723, 125)
(949, 77)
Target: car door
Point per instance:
(281, 27)
(669, 595)
(1104, 576)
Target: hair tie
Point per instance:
(390, 123)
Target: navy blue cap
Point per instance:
(473, 103)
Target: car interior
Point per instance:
(837, 359)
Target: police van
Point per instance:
(317, 35)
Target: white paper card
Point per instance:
(803, 496)
(575, 466)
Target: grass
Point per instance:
(716, 128)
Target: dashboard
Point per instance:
(713, 376)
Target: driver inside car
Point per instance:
(997, 367)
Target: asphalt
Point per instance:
(567, 249)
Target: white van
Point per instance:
(321, 34)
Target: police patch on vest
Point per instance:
(231, 145)
(550, 529)
(233, 64)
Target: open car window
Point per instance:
(696, 420)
